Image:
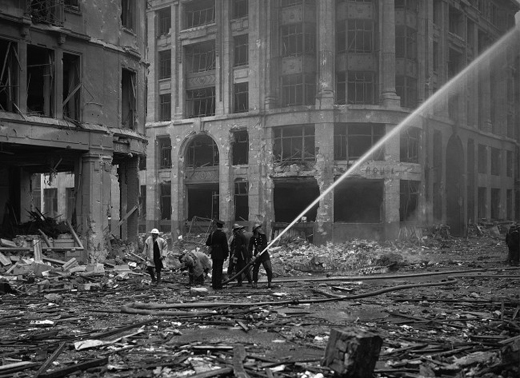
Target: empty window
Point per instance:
(240, 146)
(200, 102)
(495, 161)
(358, 201)
(200, 57)
(142, 163)
(456, 22)
(352, 141)
(298, 39)
(240, 8)
(360, 37)
(241, 44)
(241, 201)
(40, 81)
(128, 98)
(165, 152)
(495, 203)
(164, 21)
(50, 202)
(294, 143)
(198, 13)
(409, 200)
(292, 197)
(241, 92)
(46, 12)
(406, 89)
(165, 64)
(71, 86)
(166, 200)
(482, 159)
(202, 152)
(409, 145)
(9, 75)
(127, 14)
(165, 107)
(405, 42)
(298, 89)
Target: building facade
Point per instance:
(256, 107)
(72, 103)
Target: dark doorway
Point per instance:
(291, 197)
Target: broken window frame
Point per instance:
(47, 90)
(406, 89)
(72, 83)
(294, 144)
(241, 200)
(240, 9)
(200, 57)
(46, 11)
(165, 64)
(196, 148)
(128, 14)
(164, 145)
(165, 107)
(298, 39)
(360, 36)
(165, 192)
(298, 89)
(354, 140)
(200, 102)
(241, 50)
(128, 99)
(198, 13)
(408, 200)
(9, 77)
(241, 97)
(361, 87)
(164, 21)
(409, 145)
(240, 147)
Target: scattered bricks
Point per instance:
(70, 264)
(352, 352)
(96, 268)
(4, 260)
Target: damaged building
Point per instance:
(72, 107)
(256, 107)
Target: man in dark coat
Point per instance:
(240, 253)
(217, 240)
(513, 244)
(257, 244)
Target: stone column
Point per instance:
(326, 40)
(257, 53)
(94, 185)
(272, 57)
(152, 95)
(324, 142)
(389, 97)
(391, 201)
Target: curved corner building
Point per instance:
(256, 107)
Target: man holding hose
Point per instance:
(257, 244)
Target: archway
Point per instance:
(455, 186)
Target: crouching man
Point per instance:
(513, 244)
(198, 265)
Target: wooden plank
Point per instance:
(75, 236)
(239, 355)
(50, 360)
(76, 367)
(37, 248)
(127, 215)
(17, 366)
(45, 238)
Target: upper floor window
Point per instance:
(164, 21)
(241, 97)
(202, 152)
(46, 11)
(9, 76)
(298, 39)
(356, 87)
(298, 89)
(405, 42)
(409, 145)
(200, 57)
(198, 13)
(200, 102)
(352, 141)
(294, 143)
(128, 14)
(241, 44)
(482, 158)
(71, 86)
(165, 64)
(240, 8)
(360, 36)
(128, 99)
(495, 162)
(41, 81)
(240, 151)
(165, 152)
(165, 107)
(406, 89)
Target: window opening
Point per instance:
(509, 163)
(46, 11)
(455, 22)
(495, 203)
(165, 152)
(70, 212)
(352, 141)
(482, 203)
(40, 81)
(482, 159)
(360, 36)
(509, 204)
(241, 43)
(298, 39)
(241, 91)
(9, 74)
(71, 5)
(71, 86)
(142, 203)
(358, 201)
(410, 5)
(164, 21)
(127, 14)
(361, 88)
(198, 13)
(240, 147)
(200, 102)
(165, 105)
(405, 42)
(409, 145)
(292, 197)
(165, 64)
(241, 201)
(129, 98)
(200, 57)
(240, 8)
(406, 89)
(298, 89)
(495, 161)
(202, 152)
(409, 200)
(294, 144)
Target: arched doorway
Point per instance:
(455, 186)
(202, 178)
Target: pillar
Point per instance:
(391, 195)
(324, 132)
(326, 41)
(389, 97)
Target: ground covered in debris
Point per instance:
(444, 307)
